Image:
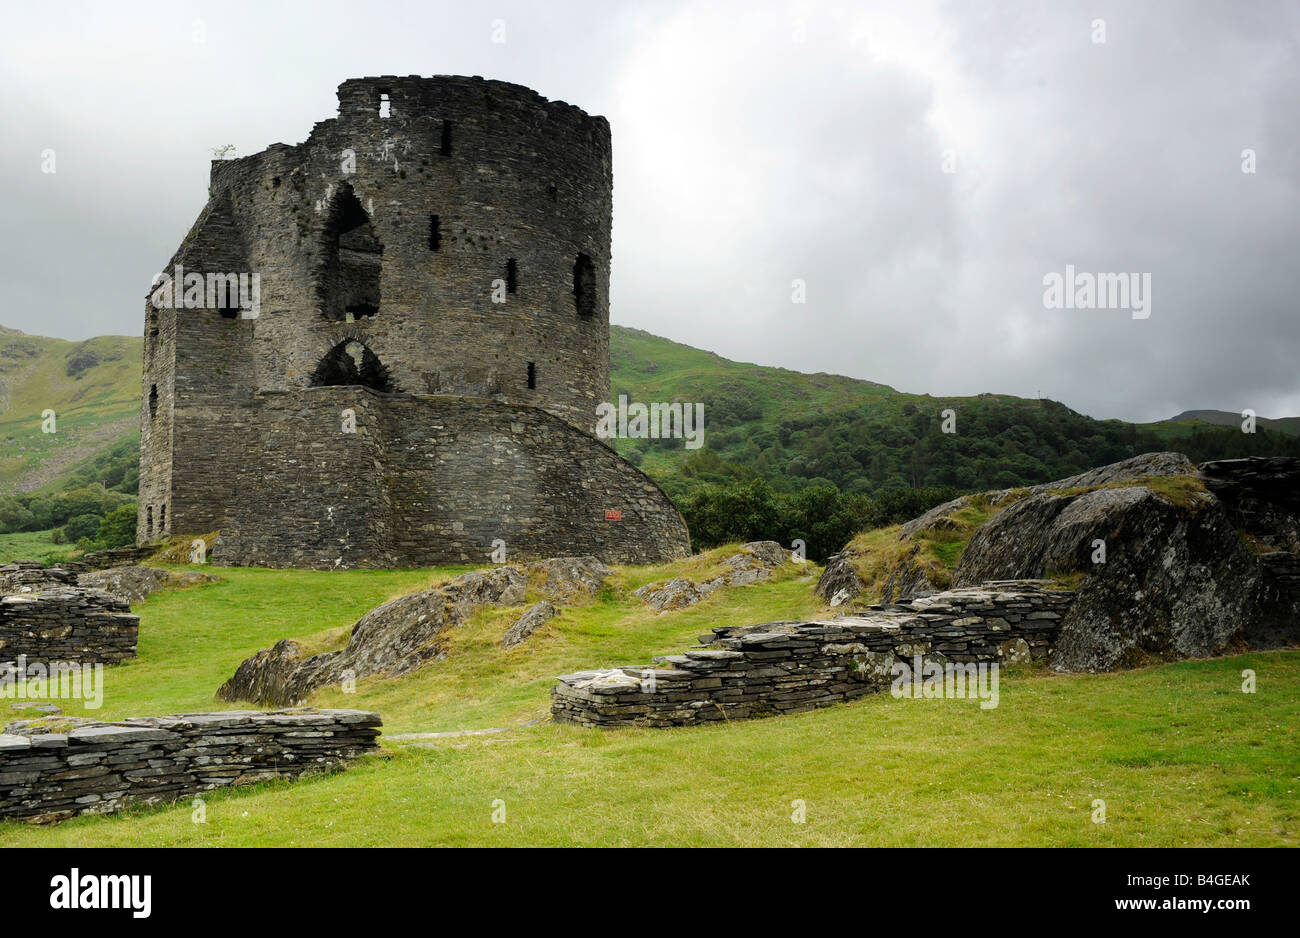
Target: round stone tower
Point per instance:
(443, 236)
(386, 346)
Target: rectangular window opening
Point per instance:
(435, 233)
(444, 147)
(512, 276)
(532, 376)
(385, 105)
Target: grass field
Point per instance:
(30, 545)
(1178, 753)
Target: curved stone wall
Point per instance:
(427, 480)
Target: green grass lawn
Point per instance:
(31, 545)
(1179, 755)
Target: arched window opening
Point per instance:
(584, 286)
(351, 363)
(353, 260)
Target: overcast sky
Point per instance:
(755, 144)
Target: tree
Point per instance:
(118, 528)
(82, 526)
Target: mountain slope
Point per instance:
(1223, 418)
(797, 430)
(93, 387)
(792, 429)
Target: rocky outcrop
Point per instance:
(839, 582)
(1174, 581)
(568, 579)
(755, 561)
(1162, 556)
(408, 632)
(133, 584)
(393, 639)
(1146, 466)
(537, 616)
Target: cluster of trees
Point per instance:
(91, 517)
(821, 516)
(825, 476)
(997, 443)
(93, 508)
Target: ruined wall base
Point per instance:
(342, 477)
(100, 767)
(789, 667)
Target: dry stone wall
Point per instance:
(98, 768)
(67, 624)
(788, 667)
(426, 480)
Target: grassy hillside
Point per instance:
(796, 430)
(796, 433)
(1178, 753)
(94, 389)
(1222, 418)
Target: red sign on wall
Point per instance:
(613, 515)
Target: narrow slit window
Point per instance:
(435, 233)
(552, 191)
(512, 276)
(162, 519)
(153, 402)
(385, 105)
(532, 376)
(148, 521)
(444, 147)
(584, 286)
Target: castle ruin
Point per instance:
(417, 377)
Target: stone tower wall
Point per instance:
(341, 232)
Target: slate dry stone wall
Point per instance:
(65, 623)
(430, 480)
(788, 667)
(99, 768)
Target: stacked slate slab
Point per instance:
(787, 667)
(29, 577)
(67, 624)
(97, 768)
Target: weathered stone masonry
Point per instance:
(99, 768)
(67, 624)
(788, 667)
(378, 242)
(428, 479)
